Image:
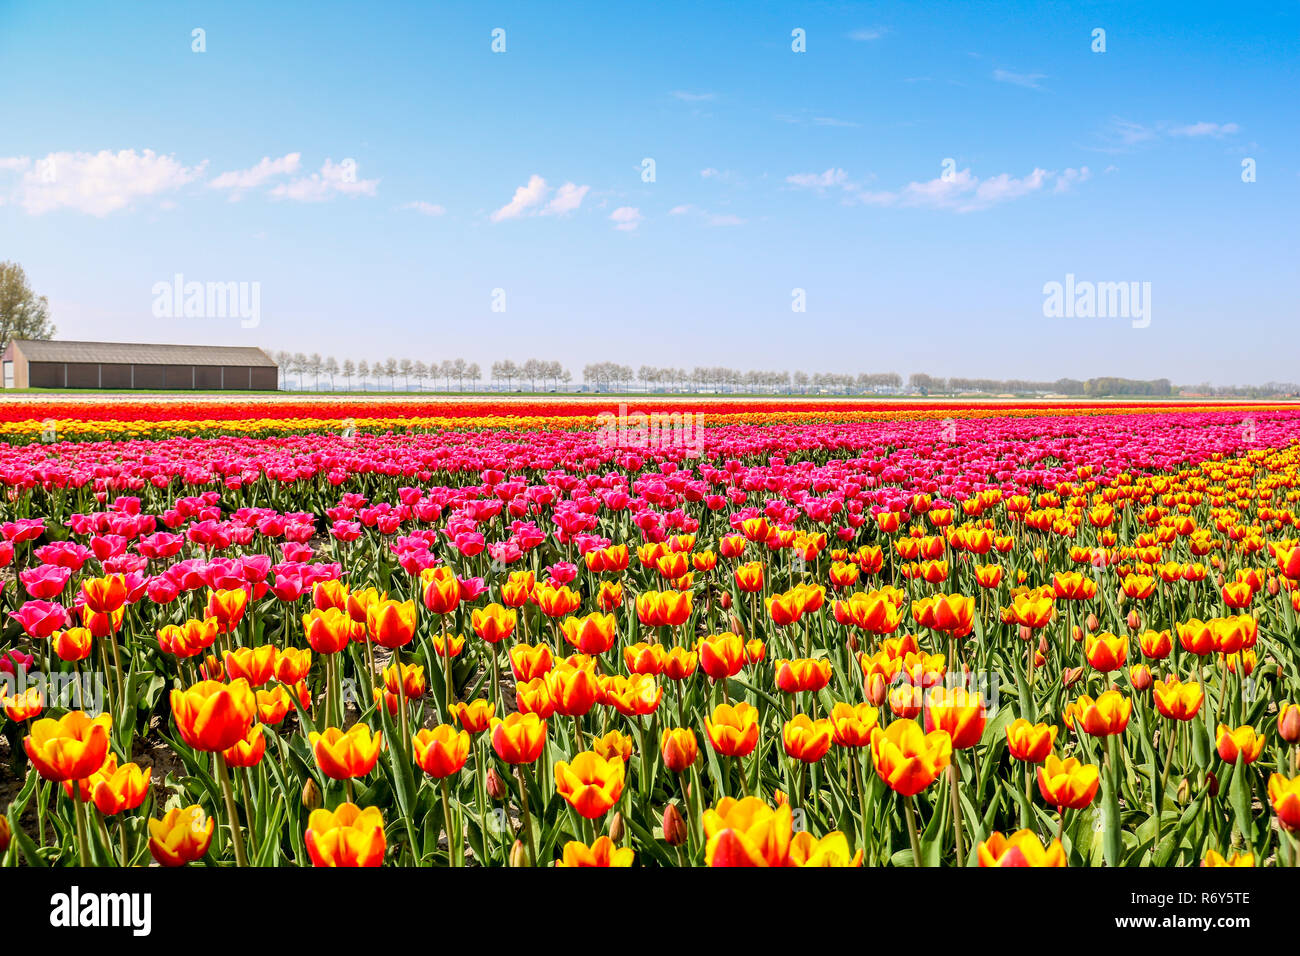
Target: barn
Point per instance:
(29, 363)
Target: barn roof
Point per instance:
(132, 353)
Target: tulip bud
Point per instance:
(617, 828)
(1092, 622)
(1043, 646)
(496, 785)
(1273, 587)
(725, 601)
(310, 794)
(779, 798)
(1218, 581)
(1288, 723)
(1076, 633)
(517, 857)
(1213, 781)
(1026, 632)
(1141, 677)
(1134, 620)
(737, 628)
(853, 642)
(1071, 676)
(877, 690)
(4, 834)
(675, 831)
(1184, 790)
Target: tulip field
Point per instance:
(488, 633)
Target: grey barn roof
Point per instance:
(128, 353)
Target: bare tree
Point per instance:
(349, 369)
(363, 372)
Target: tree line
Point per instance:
(541, 375)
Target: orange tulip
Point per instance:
(663, 608)
(1105, 651)
(23, 706)
(529, 661)
(475, 716)
(441, 751)
(1068, 784)
(1243, 742)
(721, 656)
(227, 608)
(1176, 700)
(1284, 795)
(247, 752)
(494, 623)
(441, 592)
(342, 755)
(634, 696)
(644, 658)
(1031, 743)
(292, 665)
(1215, 859)
(733, 731)
(851, 724)
(104, 595)
(805, 739)
(75, 643)
(556, 602)
(1022, 849)
(679, 663)
(679, 749)
(574, 690)
(391, 623)
(593, 634)
(590, 784)
(329, 630)
(602, 852)
(747, 832)
(123, 788)
(908, 759)
(181, 836)
(959, 712)
(213, 716)
(255, 664)
(519, 738)
(347, 836)
(802, 674)
(1107, 715)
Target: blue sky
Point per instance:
(395, 196)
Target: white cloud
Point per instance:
(334, 179)
(1029, 80)
(525, 198)
(689, 97)
(1072, 177)
(1217, 130)
(832, 177)
(961, 192)
(626, 218)
(681, 210)
(423, 208)
(95, 183)
(567, 198)
(239, 180)
(867, 35)
(723, 219)
(528, 200)
(832, 121)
